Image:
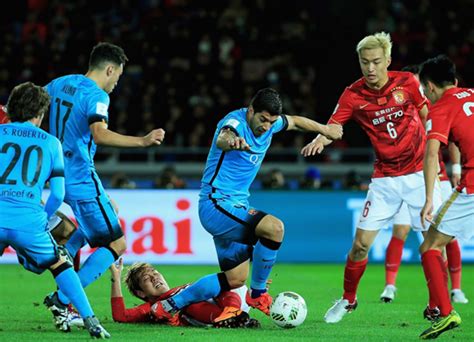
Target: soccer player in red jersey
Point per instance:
(149, 285)
(389, 106)
(450, 119)
(401, 229)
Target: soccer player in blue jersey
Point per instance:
(241, 232)
(29, 157)
(78, 118)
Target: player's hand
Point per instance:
(455, 179)
(116, 269)
(155, 137)
(238, 143)
(333, 132)
(314, 147)
(426, 213)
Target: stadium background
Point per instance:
(193, 61)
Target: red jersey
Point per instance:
(390, 118)
(451, 118)
(3, 114)
(140, 313)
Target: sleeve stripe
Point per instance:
(438, 136)
(57, 173)
(97, 118)
(422, 103)
(285, 122)
(230, 128)
(331, 120)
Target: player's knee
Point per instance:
(272, 228)
(236, 282)
(360, 248)
(119, 246)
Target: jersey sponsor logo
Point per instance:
(429, 126)
(232, 122)
(399, 97)
(253, 159)
(101, 108)
(253, 212)
(363, 106)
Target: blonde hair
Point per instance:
(133, 276)
(377, 40)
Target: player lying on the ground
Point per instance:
(227, 310)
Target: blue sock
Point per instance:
(205, 288)
(69, 282)
(93, 268)
(75, 242)
(264, 257)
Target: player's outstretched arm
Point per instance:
(228, 140)
(316, 146)
(300, 123)
(103, 136)
(116, 274)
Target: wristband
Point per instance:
(456, 169)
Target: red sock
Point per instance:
(436, 277)
(352, 274)
(77, 261)
(393, 258)
(453, 253)
(229, 298)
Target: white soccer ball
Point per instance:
(288, 310)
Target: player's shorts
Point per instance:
(53, 222)
(36, 250)
(403, 216)
(446, 189)
(97, 220)
(386, 196)
(455, 217)
(233, 227)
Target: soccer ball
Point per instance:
(288, 310)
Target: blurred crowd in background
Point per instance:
(191, 62)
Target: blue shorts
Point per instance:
(233, 227)
(36, 250)
(97, 220)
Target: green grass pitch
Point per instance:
(24, 318)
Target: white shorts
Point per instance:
(386, 196)
(403, 216)
(53, 222)
(455, 217)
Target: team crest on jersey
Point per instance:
(399, 97)
(252, 212)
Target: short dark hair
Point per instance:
(413, 68)
(133, 276)
(440, 70)
(106, 52)
(267, 99)
(26, 102)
